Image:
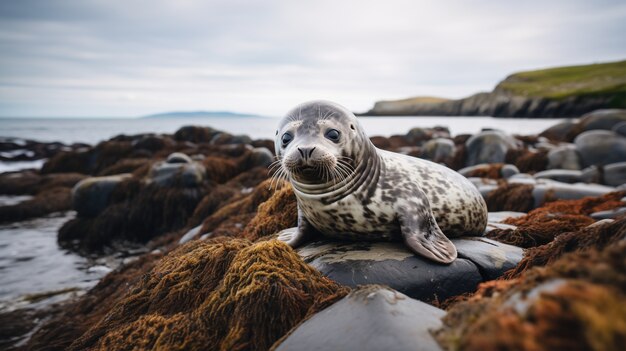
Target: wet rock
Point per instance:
(615, 174)
(182, 172)
(609, 214)
(561, 175)
(591, 174)
(195, 134)
(178, 157)
(564, 131)
(492, 171)
(369, 318)
(491, 257)
(547, 190)
(391, 264)
(152, 143)
(192, 233)
(601, 147)
(602, 119)
(508, 171)
(499, 216)
(223, 138)
(564, 157)
(91, 195)
(620, 128)
(417, 135)
(488, 147)
(479, 182)
(261, 157)
(438, 150)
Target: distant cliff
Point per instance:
(554, 92)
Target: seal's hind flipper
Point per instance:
(422, 234)
(296, 237)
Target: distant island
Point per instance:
(200, 114)
(555, 92)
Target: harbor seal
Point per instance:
(348, 189)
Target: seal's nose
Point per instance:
(306, 152)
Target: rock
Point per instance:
(591, 175)
(508, 171)
(90, 196)
(369, 318)
(495, 225)
(499, 216)
(491, 171)
(261, 157)
(190, 234)
(178, 157)
(610, 214)
(488, 147)
(601, 223)
(152, 143)
(438, 150)
(478, 182)
(522, 178)
(195, 134)
(417, 135)
(615, 174)
(620, 128)
(561, 175)
(601, 147)
(222, 138)
(491, 257)
(391, 264)
(167, 174)
(486, 189)
(602, 119)
(549, 190)
(564, 131)
(564, 157)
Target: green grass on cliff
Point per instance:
(562, 82)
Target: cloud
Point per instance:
(89, 57)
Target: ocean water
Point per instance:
(92, 131)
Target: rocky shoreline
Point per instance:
(547, 274)
(556, 92)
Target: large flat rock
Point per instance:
(369, 318)
(392, 264)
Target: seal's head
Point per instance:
(317, 142)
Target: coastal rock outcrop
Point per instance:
(555, 92)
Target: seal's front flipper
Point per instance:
(296, 237)
(422, 234)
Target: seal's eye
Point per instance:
(333, 134)
(286, 139)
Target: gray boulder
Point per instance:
(91, 196)
(438, 150)
(488, 147)
(601, 147)
(261, 157)
(602, 119)
(177, 170)
(561, 175)
(620, 128)
(615, 174)
(370, 318)
(394, 265)
(178, 157)
(564, 157)
(564, 131)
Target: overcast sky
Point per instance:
(130, 58)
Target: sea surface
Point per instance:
(94, 130)
(35, 271)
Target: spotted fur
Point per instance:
(379, 195)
